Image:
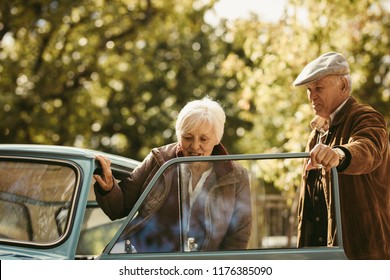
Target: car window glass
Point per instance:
(214, 214)
(142, 233)
(97, 230)
(35, 200)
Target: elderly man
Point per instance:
(354, 138)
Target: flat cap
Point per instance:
(331, 63)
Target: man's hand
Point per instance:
(105, 180)
(322, 156)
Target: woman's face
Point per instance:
(198, 142)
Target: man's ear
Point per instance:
(343, 84)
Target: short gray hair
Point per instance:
(198, 112)
(348, 79)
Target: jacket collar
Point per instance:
(340, 115)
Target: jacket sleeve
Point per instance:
(118, 202)
(367, 142)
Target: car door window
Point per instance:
(216, 218)
(35, 200)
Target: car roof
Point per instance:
(59, 151)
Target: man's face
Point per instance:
(326, 95)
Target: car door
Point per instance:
(273, 181)
(39, 197)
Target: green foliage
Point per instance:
(112, 75)
(109, 75)
(270, 56)
(266, 58)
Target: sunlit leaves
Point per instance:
(112, 75)
(266, 58)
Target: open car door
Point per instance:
(269, 196)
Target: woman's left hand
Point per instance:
(105, 180)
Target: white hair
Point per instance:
(197, 113)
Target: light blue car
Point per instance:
(48, 208)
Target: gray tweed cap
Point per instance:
(331, 63)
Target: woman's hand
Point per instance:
(105, 181)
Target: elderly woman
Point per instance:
(195, 206)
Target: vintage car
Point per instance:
(48, 208)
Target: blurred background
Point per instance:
(112, 75)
